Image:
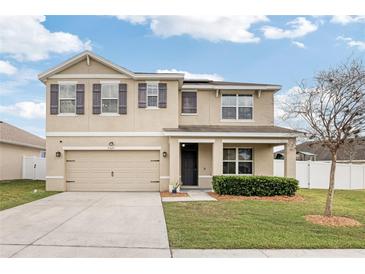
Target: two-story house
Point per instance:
(111, 129)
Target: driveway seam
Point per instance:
(68, 219)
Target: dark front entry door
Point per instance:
(189, 164)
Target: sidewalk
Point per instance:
(193, 196)
(268, 253)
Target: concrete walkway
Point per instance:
(268, 253)
(194, 196)
(86, 224)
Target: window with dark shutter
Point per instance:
(54, 99)
(142, 88)
(122, 98)
(189, 104)
(96, 98)
(80, 98)
(162, 95)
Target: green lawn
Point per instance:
(265, 224)
(18, 192)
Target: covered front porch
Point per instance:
(194, 161)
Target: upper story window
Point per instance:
(67, 98)
(237, 106)
(237, 161)
(109, 98)
(189, 102)
(152, 94)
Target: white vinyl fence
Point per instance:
(34, 168)
(315, 174)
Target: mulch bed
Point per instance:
(334, 221)
(296, 198)
(169, 194)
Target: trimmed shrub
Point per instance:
(255, 185)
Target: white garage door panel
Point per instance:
(113, 170)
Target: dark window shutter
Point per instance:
(54, 99)
(162, 95)
(80, 98)
(122, 98)
(142, 89)
(96, 98)
(188, 100)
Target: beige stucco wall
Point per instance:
(11, 160)
(209, 109)
(94, 67)
(136, 119)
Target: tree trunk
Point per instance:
(331, 188)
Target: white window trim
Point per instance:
(101, 98)
(64, 83)
(152, 83)
(237, 120)
(196, 96)
(237, 161)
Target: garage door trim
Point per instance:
(112, 148)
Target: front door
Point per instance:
(189, 164)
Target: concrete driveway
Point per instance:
(86, 224)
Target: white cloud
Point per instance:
(282, 99)
(298, 27)
(134, 19)
(25, 109)
(212, 28)
(298, 44)
(189, 75)
(18, 81)
(352, 43)
(7, 68)
(347, 19)
(26, 38)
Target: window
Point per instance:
(67, 98)
(152, 95)
(237, 106)
(237, 161)
(109, 98)
(42, 154)
(188, 99)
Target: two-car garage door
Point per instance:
(124, 170)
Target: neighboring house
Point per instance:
(353, 150)
(111, 129)
(14, 144)
(301, 155)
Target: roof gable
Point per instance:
(88, 57)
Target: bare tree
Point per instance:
(333, 110)
(349, 148)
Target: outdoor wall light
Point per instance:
(58, 154)
(111, 144)
(164, 154)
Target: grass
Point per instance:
(18, 192)
(265, 224)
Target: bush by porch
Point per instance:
(255, 185)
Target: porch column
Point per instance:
(174, 162)
(217, 160)
(290, 159)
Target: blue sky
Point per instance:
(266, 49)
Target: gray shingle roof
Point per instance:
(13, 135)
(205, 128)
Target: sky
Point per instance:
(266, 49)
